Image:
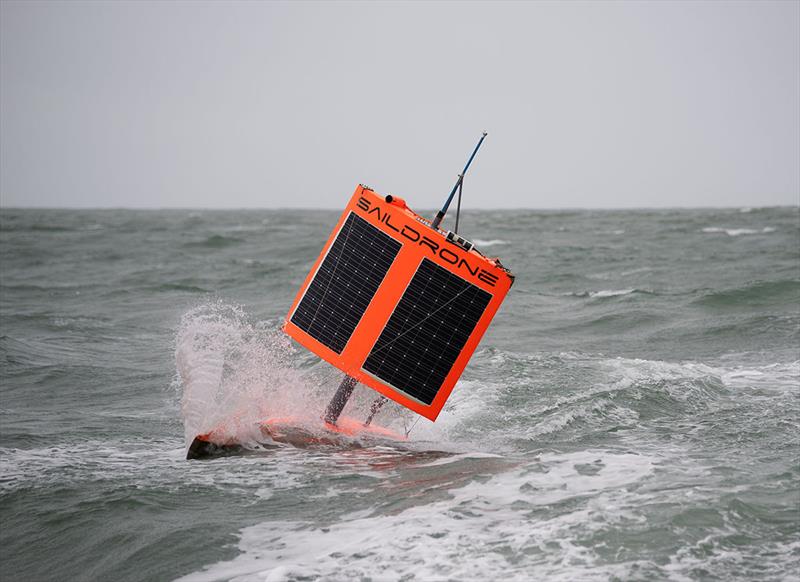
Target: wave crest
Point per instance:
(737, 231)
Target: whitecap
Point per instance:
(600, 276)
(456, 458)
(779, 377)
(489, 243)
(737, 231)
(611, 292)
(604, 293)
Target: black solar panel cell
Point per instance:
(427, 331)
(345, 283)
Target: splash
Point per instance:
(234, 373)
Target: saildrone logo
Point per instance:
(413, 235)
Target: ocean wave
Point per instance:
(687, 382)
(777, 377)
(606, 293)
(578, 394)
(552, 458)
(489, 243)
(216, 242)
(36, 227)
(612, 292)
(470, 410)
(500, 524)
(146, 464)
(737, 231)
(65, 464)
(592, 410)
(722, 553)
(187, 287)
(758, 293)
(49, 228)
(624, 394)
(244, 228)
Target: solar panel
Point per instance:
(427, 331)
(345, 283)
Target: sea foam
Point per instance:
(499, 523)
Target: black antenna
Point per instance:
(440, 215)
(458, 205)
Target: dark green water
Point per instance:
(633, 413)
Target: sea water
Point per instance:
(633, 412)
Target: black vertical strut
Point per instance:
(339, 400)
(376, 406)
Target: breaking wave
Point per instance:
(759, 293)
(737, 231)
(216, 241)
(491, 521)
(605, 293)
(489, 243)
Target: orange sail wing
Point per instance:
(393, 303)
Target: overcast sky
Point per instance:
(181, 104)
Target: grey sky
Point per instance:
(277, 104)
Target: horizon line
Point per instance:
(335, 208)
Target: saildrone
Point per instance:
(394, 302)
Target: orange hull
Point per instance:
(281, 428)
(295, 431)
